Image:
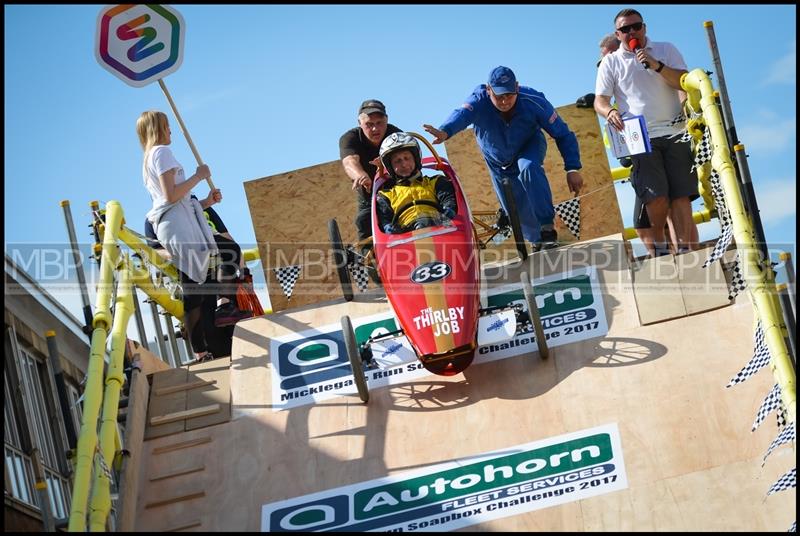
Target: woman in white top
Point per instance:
(179, 222)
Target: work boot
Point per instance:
(549, 240)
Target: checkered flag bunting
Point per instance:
(98, 456)
(771, 402)
(757, 362)
(360, 275)
(677, 120)
(737, 283)
(787, 481)
(570, 213)
(287, 277)
(719, 199)
(721, 246)
(781, 415)
(789, 433)
(703, 151)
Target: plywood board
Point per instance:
(290, 213)
(218, 392)
(135, 424)
(657, 289)
(166, 404)
(692, 462)
(702, 288)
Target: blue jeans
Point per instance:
(532, 195)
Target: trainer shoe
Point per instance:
(549, 239)
(228, 314)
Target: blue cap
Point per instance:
(502, 80)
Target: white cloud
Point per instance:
(784, 69)
(771, 135)
(777, 199)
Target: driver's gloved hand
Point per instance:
(449, 213)
(390, 228)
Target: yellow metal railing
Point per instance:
(757, 272)
(93, 393)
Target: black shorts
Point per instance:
(666, 171)
(640, 218)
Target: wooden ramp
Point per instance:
(681, 451)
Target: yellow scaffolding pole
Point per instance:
(93, 393)
(101, 490)
(759, 278)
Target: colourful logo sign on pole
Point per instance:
(139, 43)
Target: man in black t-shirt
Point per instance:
(358, 147)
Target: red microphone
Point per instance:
(634, 46)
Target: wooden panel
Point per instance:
(290, 213)
(217, 392)
(134, 437)
(148, 361)
(167, 404)
(657, 290)
(691, 460)
(702, 288)
(159, 420)
(182, 445)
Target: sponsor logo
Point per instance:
(463, 492)
(443, 321)
(497, 324)
(394, 347)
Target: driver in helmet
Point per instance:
(409, 200)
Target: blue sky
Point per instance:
(269, 89)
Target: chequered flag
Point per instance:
(287, 277)
(793, 528)
(758, 361)
(570, 213)
(787, 434)
(359, 274)
(678, 119)
(781, 416)
(737, 283)
(787, 481)
(772, 401)
(704, 150)
(98, 457)
(719, 199)
(721, 246)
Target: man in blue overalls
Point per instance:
(508, 120)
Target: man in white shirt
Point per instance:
(643, 77)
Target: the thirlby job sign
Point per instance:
(139, 43)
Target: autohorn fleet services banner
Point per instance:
(460, 493)
(311, 366)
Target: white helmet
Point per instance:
(396, 142)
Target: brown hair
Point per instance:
(627, 12)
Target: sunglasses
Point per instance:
(636, 26)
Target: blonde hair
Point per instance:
(152, 129)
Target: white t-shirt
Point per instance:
(160, 160)
(640, 91)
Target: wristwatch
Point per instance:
(660, 66)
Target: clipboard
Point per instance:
(632, 140)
